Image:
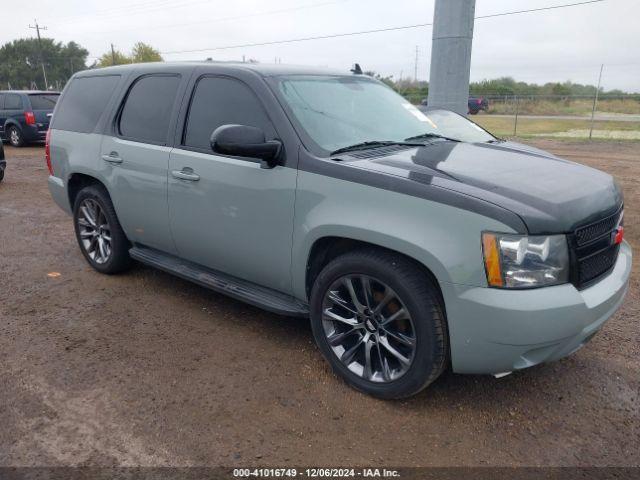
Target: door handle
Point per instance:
(112, 158)
(185, 174)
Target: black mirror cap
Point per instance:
(246, 141)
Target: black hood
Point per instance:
(549, 194)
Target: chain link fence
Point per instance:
(614, 117)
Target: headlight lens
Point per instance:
(520, 261)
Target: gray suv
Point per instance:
(413, 241)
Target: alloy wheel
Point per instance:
(94, 230)
(368, 328)
(14, 137)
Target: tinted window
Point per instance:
(12, 102)
(43, 102)
(83, 102)
(147, 110)
(222, 101)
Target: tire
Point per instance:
(95, 222)
(14, 136)
(388, 274)
(1, 174)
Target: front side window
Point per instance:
(147, 110)
(222, 101)
(339, 111)
(12, 102)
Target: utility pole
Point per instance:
(37, 28)
(113, 55)
(595, 101)
(415, 67)
(451, 55)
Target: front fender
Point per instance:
(443, 238)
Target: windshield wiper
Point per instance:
(424, 136)
(373, 144)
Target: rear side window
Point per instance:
(147, 110)
(43, 102)
(12, 102)
(1, 101)
(83, 103)
(220, 101)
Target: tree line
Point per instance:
(21, 61)
(21, 68)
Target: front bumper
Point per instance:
(495, 331)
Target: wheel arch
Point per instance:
(326, 248)
(77, 181)
(11, 122)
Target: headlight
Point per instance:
(520, 261)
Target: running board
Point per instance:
(248, 292)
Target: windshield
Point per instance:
(43, 101)
(336, 112)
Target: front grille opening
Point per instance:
(593, 250)
(591, 232)
(592, 267)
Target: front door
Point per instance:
(226, 212)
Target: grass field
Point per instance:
(575, 106)
(559, 128)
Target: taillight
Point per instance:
(30, 118)
(47, 151)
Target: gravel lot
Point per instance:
(147, 369)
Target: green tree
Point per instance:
(563, 89)
(115, 57)
(143, 53)
(20, 63)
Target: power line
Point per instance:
(223, 19)
(130, 9)
(302, 39)
(365, 32)
(553, 7)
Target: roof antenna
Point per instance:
(356, 69)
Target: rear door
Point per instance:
(13, 109)
(228, 213)
(137, 153)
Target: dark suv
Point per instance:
(25, 115)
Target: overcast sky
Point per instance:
(555, 45)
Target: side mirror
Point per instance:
(246, 141)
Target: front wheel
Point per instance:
(378, 320)
(98, 231)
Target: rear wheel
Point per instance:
(377, 319)
(98, 231)
(15, 136)
(1, 174)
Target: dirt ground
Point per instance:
(147, 369)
